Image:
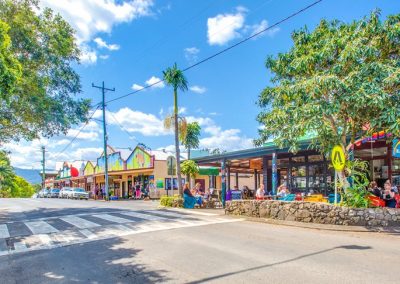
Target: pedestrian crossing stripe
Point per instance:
(46, 236)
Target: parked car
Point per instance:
(54, 192)
(43, 193)
(64, 192)
(79, 193)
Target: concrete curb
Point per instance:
(325, 227)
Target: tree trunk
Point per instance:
(188, 178)
(177, 151)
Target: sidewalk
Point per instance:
(327, 227)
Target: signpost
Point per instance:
(171, 166)
(338, 161)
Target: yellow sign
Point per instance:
(338, 158)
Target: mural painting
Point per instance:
(139, 159)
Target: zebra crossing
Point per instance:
(30, 235)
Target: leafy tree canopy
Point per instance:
(190, 168)
(10, 184)
(38, 82)
(191, 139)
(339, 81)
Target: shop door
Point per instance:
(202, 183)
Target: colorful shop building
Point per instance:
(126, 169)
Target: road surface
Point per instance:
(72, 241)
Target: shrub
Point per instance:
(171, 201)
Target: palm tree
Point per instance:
(191, 140)
(174, 77)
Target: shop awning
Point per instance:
(209, 171)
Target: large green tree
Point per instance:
(10, 69)
(339, 82)
(175, 78)
(37, 99)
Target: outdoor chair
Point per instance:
(289, 197)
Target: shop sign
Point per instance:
(396, 148)
(160, 183)
(338, 158)
(171, 165)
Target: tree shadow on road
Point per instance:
(348, 247)
(106, 261)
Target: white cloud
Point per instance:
(136, 121)
(102, 44)
(260, 27)
(154, 80)
(27, 155)
(89, 17)
(225, 27)
(91, 132)
(198, 89)
(191, 54)
(136, 87)
(104, 57)
(228, 140)
(88, 56)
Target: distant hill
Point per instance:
(32, 176)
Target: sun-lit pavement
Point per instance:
(64, 241)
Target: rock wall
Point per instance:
(314, 212)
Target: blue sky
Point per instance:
(129, 43)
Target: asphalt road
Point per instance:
(67, 241)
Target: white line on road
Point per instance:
(170, 214)
(40, 227)
(142, 216)
(112, 218)
(88, 234)
(79, 222)
(45, 239)
(4, 231)
(20, 246)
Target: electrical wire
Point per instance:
(123, 128)
(223, 50)
(76, 136)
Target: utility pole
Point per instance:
(43, 167)
(103, 91)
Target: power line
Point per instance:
(77, 134)
(224, 50)
(122, 127)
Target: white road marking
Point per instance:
(79, 222)
(142, 216)
(88, 234)
(40, 227)
(20, 246)
(170, 214)
(112, 218)
(45, 239)
(67, 238)
(4, 231)
(192, 211)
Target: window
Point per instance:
(298, 160)
(315, 158)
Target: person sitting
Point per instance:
(207, 195)
(198, 194)
(188, 199)
(245, 192)
(374, 189)
(389, 195)
(260, 192)
(282, 191)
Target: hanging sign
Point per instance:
(338, 158)
(396, 148)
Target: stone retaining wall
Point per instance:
(314, 212)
